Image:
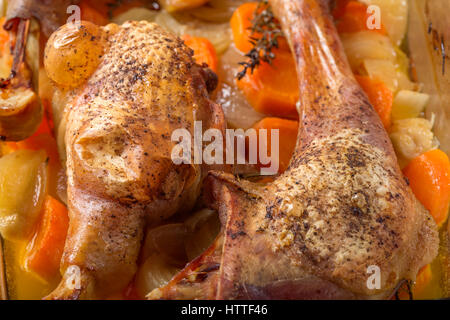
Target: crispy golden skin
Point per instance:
(341, 207)
(118, 128)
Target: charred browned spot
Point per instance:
(354, 158)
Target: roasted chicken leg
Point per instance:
(340, 213)
(116, 127)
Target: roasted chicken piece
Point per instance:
(341, 212)
(122, 91)
(20, 106)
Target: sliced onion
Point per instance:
(181, 23)
(388, 72)
(23, 181)
(167, 241)
(409, 104)
(394, 16)
(238, 111)
(204, 227)
(216, 10)
(154, 273)
(360, 46)
(137, 14)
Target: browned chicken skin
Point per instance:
(117, 128)
(340, 209)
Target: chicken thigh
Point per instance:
(121, 91)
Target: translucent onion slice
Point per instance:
(388, 72)
(238, 111)
(394, 16)
(216, 10)
(23, 181)
(360, 46)
(167, 241)
(182, 23)
(137, 14)
(154, 273)
(204, 227)
(409, 104)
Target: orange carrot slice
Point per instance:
(241, 23)
(429, 178)
(287, 138)
(44, 253)
(380, 96)
(353, 17)
(273, 88)
(204, 51)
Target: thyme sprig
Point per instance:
(265, 31)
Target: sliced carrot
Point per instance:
(423, 279)
(273, 88)
(429, 178)
(380, 96)
(353, 18)
(44, 253)
(241, 23)
(204, 51)
(90, 13)
(287, 138)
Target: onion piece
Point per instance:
(167, 241)
(360, 46)
(408, 104)
(180, 23)
(412, 137)
(204, 227)
(154, 273)
(216, 10)
(238, 111)
(388, 72)
(23, 182)
(394, 16)
(137, 14)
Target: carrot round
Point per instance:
(352, 17)
(429, 178)
(44, 253)
(273, 88)
(204, 51)
(241, 23)
(380, 96)
(287, 138)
